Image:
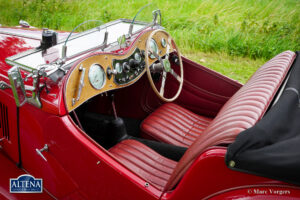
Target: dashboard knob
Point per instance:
(138, 57)
(133, 63)
(126, 67)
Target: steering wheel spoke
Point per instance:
(163, 83)
(164, 64)
(176, 76)
(167, 51)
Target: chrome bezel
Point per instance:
(163, 43)
(150, 55)
(137, 57)
(104, 75)
(121, 67)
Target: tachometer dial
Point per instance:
(154, 48)
(97, 76)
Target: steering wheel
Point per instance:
(163, 66)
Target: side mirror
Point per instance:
(17, 85)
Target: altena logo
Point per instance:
(26, 184)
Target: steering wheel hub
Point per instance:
(167, 65)
(169, 46)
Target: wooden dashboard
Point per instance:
(79, 89)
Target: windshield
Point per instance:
(148, 15)
(89, 36)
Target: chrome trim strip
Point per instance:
(20, 35)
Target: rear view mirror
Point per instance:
(17, 85)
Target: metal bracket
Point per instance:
(155, 14)
(4, 85)
(19, 89)
(104, 44)
(17, 85)
(35, 97)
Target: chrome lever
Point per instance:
(81, 84)
(40, 151)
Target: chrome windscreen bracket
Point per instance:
(19, 89)
(4, 85)
(17, 85)
(35, 97)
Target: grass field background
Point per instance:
(233, 37)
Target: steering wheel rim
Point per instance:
(167, 69)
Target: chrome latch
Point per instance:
(4, 85)
(40, 151)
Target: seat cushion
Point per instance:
(145, 162)
(175, 125)
(242, 111)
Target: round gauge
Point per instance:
(118, 67)
(97, 76)
(163, 43)
(153, 47)
(137, 57)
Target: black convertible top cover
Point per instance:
(271, 148)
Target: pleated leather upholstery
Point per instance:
(145, 162)
(240, 112)
(175, 125)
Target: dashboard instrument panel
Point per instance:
(103, 72)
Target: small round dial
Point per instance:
(97, 76)
(154, 48)
(126, 67)
(163, 43)
(118, 67)
(137, 57)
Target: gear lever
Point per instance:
(112, 96)
(117, 126)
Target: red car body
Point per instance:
(79, 168)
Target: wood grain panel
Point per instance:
(105, 60)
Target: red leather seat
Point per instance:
(175, 125)
(241, 111)
(145, 162)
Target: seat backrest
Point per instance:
(240, 112)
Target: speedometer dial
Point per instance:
(97, 76)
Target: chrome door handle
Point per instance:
(40, 151)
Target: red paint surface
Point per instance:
(9, 170)
(209, 176)
(12, 45)
(78, 168)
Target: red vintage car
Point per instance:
(115, 112)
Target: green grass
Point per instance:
(237, 68)
(243, 32)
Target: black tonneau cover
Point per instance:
(271, 148)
